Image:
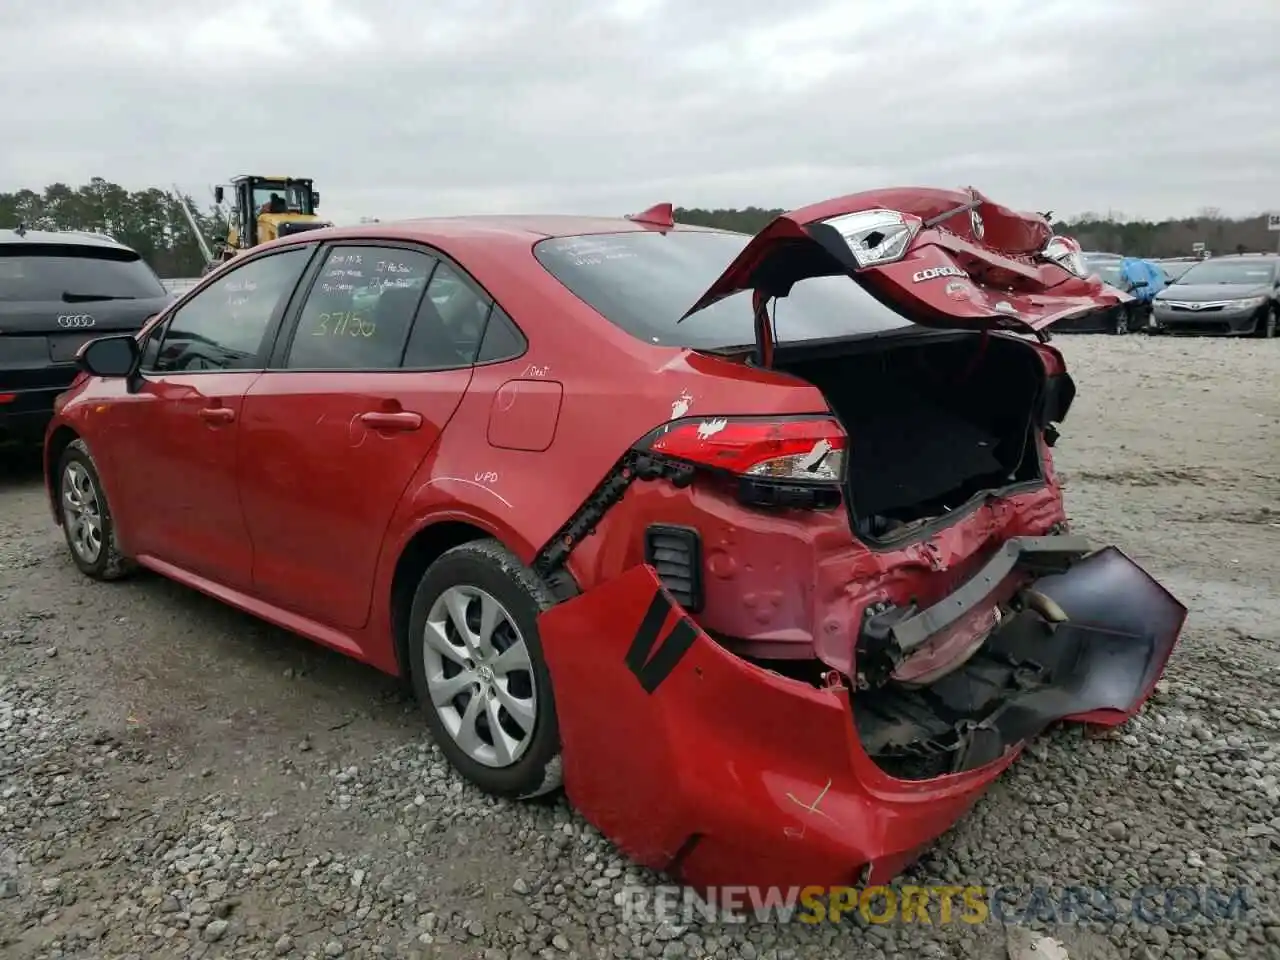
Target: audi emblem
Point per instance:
(75, 321)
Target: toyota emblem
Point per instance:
(75, 321)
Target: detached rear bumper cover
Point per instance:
(719, 772)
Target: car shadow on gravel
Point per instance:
(20, 465)
(209, 656)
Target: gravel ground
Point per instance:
(178, 780)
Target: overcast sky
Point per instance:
(1144, 107)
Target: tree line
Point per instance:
(151, 222)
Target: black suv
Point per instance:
(58, 290)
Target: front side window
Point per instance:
(222, 326)
(360, 309)
(280, 198)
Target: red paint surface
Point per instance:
(524, 414)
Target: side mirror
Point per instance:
(217, 195)
(315, 199)
(110, 356)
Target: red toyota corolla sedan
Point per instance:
(753, 544)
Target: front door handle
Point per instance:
(399, 420)
(217, 414)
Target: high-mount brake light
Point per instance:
(876, 237)
(792, 450)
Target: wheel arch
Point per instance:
(54, 447)
(424, 547)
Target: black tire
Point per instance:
(109, 563)
(1266, 326)
(488, 566)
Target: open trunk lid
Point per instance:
(942, 258)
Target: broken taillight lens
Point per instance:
(790, 450)
(876, 237)
(1065, 252)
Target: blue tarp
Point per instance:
(1136, 271)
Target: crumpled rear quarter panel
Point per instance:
(701, 764)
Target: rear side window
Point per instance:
(74, 273)
(360, 309)
(450, 323)
(644, 282)
(502, 338)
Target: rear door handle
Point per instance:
(400, 420)
(217, 414)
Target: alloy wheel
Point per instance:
(479, 677)
(82, 512)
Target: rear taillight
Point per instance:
(792, 449)
(778, 462)
(8, 397)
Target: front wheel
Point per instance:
(1266, 325)
(1120, 326)
(477, 669)
(87, 522)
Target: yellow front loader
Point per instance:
(264, 208)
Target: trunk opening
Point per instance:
(933, 421)
(917, 732)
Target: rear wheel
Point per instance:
(477, 669)
(1266, 326)
(1122, 323)
(86, 516)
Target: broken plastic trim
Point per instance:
(631, 467)
(889, 635)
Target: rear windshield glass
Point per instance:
(644, 283)
(43, 273)
(1108, 270)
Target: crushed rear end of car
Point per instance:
(723, 772)
(843, 626)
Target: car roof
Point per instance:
(493, 230)
(63, 237)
